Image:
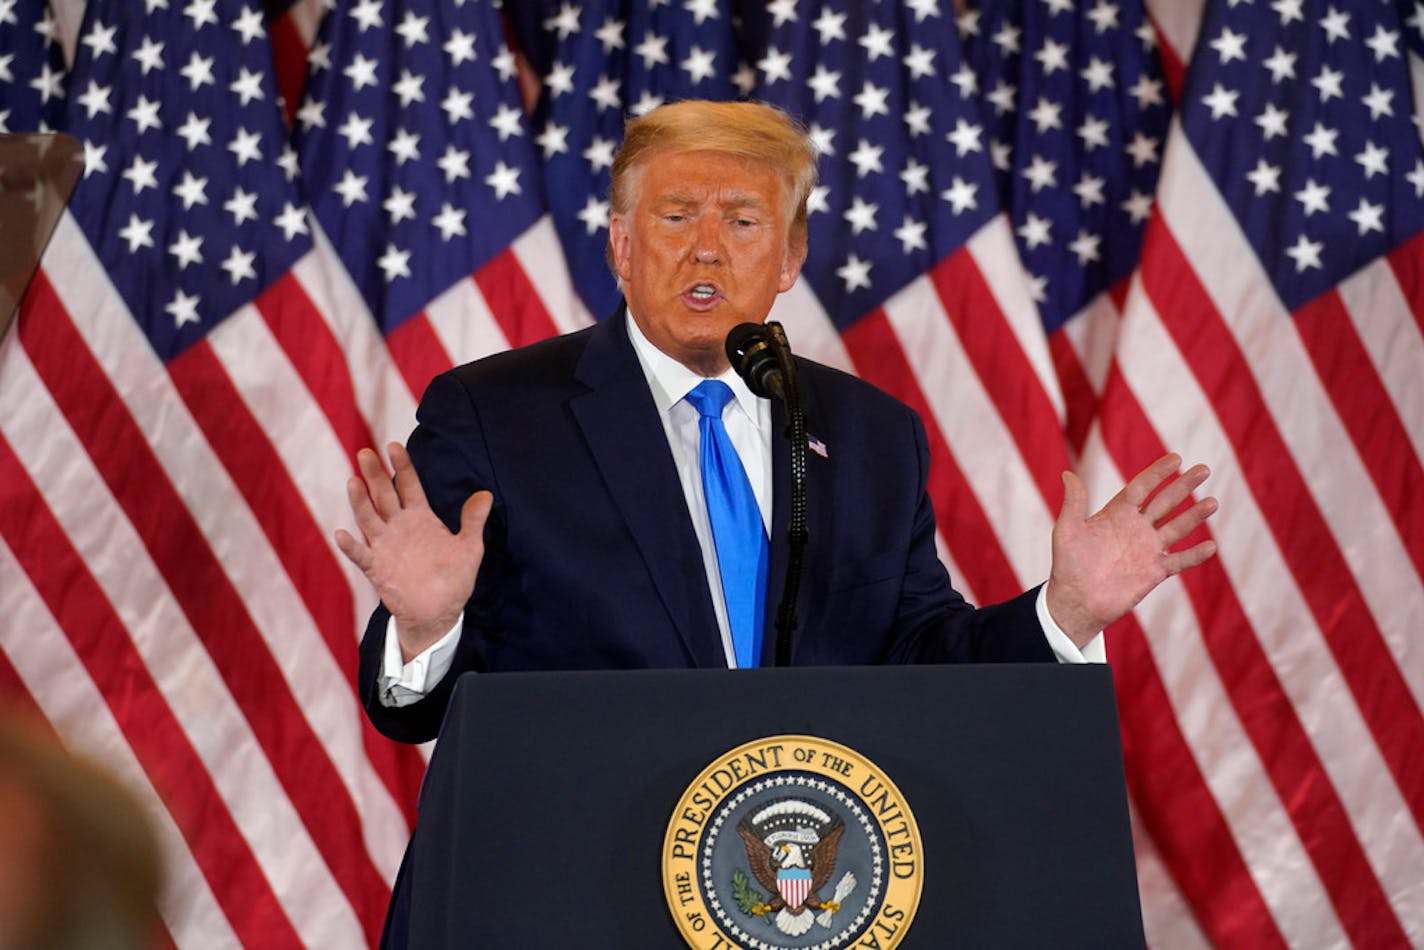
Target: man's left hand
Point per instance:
(1105, 564)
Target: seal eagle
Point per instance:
(793, 863)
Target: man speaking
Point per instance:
(606, 499)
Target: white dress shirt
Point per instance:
(747, 419)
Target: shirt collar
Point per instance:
(670, 381)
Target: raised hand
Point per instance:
(1105, 564)
(423, 572)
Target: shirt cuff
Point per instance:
(401, 683)
(1094, 651)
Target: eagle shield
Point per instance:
(791, 848)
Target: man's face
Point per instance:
(704, 247)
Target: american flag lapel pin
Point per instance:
(817, 446)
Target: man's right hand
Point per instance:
(422, 572)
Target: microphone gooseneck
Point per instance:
(761, 355)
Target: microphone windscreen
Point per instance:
(749, 350)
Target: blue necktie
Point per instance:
(737, 532)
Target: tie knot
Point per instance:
(709, 397)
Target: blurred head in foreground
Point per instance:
(79, 863)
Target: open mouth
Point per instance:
(701, 293)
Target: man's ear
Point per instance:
(791, 265)
(618, 241)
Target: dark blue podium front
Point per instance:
(544, 810)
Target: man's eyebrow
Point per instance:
(676, 198)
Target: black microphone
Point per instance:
(753, 356)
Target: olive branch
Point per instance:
(749, 900)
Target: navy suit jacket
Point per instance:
(591, 561)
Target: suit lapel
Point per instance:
(625, 436)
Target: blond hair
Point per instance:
(753, 131)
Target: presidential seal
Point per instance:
(792, 843)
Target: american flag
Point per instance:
(418, 163)
(1065, 233)
(1075, 112)
(31, 67)
(1273, 327)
